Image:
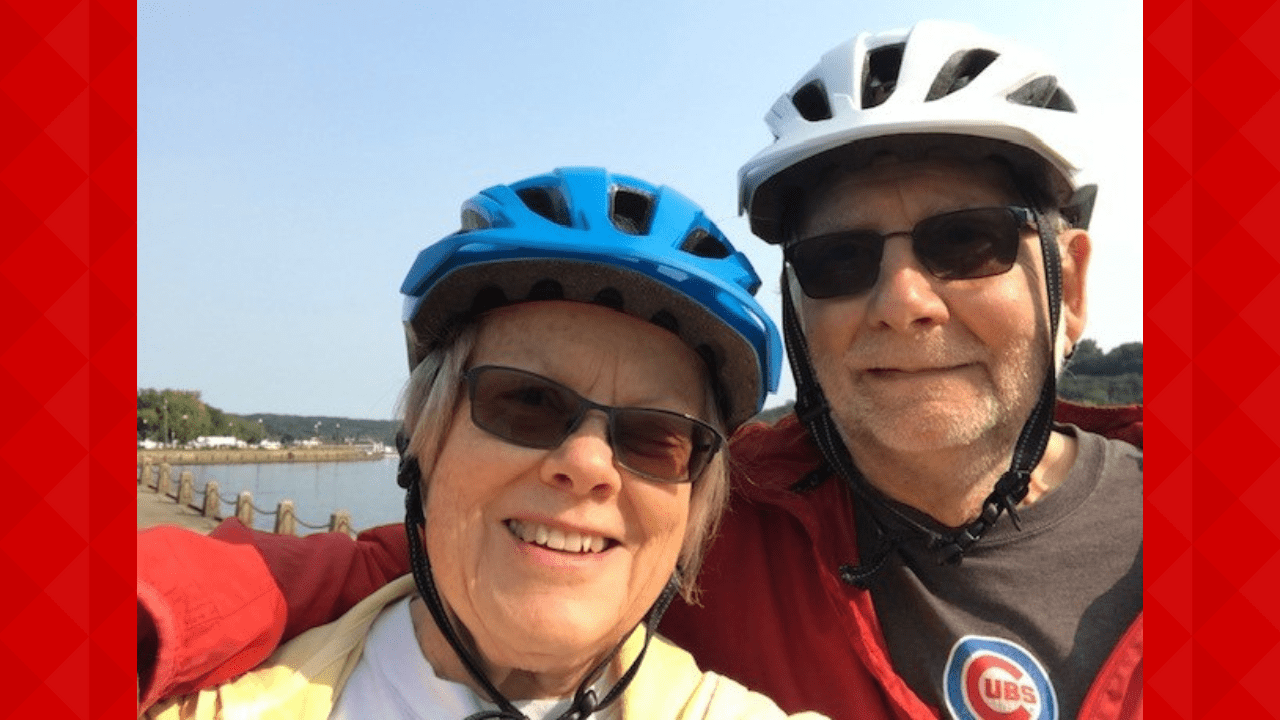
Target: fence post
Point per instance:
(144, 471)
(340, 521)
(244, 508)
(286, 522)
(212, 503)
(186, 488)
(165, 483)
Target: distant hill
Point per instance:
(1098, 378)
(180, 416)
(327, 428)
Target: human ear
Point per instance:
(1076, 249)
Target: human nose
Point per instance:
(584, 463)
(905, 297)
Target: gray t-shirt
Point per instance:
(1025, 622)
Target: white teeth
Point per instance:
(555, 538)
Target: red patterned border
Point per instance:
(67, 282)
(1167, 354)
(68, 272)
(1212, 106)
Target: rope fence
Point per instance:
(160, 479)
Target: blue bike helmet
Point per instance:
(587, 235)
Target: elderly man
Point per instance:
(927, 191)
(920, 538)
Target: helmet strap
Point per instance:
(1013, 485)
(584, 702)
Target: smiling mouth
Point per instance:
(905, 372)
(556, 539)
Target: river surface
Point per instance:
(365, 488)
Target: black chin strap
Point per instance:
(585, 702)
(814, 411)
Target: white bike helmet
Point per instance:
(938, 84)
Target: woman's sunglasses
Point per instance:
(963, 244)
(533, 411)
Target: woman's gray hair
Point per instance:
(429, 403)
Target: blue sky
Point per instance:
(293, 157)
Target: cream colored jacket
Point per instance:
(302, 679)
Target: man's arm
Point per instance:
(207, 611)
(212, 607)
(321, 576)
(1118, 422)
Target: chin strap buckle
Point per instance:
(1009, 491)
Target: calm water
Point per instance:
(366, 488)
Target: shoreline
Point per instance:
(254, 456)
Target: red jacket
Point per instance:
(799, 634)
(774, 615)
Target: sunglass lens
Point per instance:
(521, 408)
(834, 265)
(968, 243)
(532, 411)
(658, 444)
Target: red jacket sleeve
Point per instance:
(222, 603)
(1119, 422)
(323, 575)
(213, 611)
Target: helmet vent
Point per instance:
(959, 70)
(472, 220)
(666, 321)
(1043, 92)
(704, 244)
(546, 289)
(547, 202)
(631, 211)
(880, 76)
(487, 298)
(609, 297)
(811, 102)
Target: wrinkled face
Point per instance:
(549, 557)
(917, 364)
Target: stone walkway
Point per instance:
(155, 509)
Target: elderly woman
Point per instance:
(578, 350)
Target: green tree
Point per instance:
(1120, 360)
(148, 423)
(1086, 351)
(218, 422)
(250, 431)
(172, 415)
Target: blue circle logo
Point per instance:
(990, 678)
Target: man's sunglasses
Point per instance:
(533, 411)
(958, 245)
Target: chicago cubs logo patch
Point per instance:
(990, 678)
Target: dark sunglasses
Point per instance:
(533, 411)
(964, 244)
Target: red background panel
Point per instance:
(1212, 100)
(68, 273)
